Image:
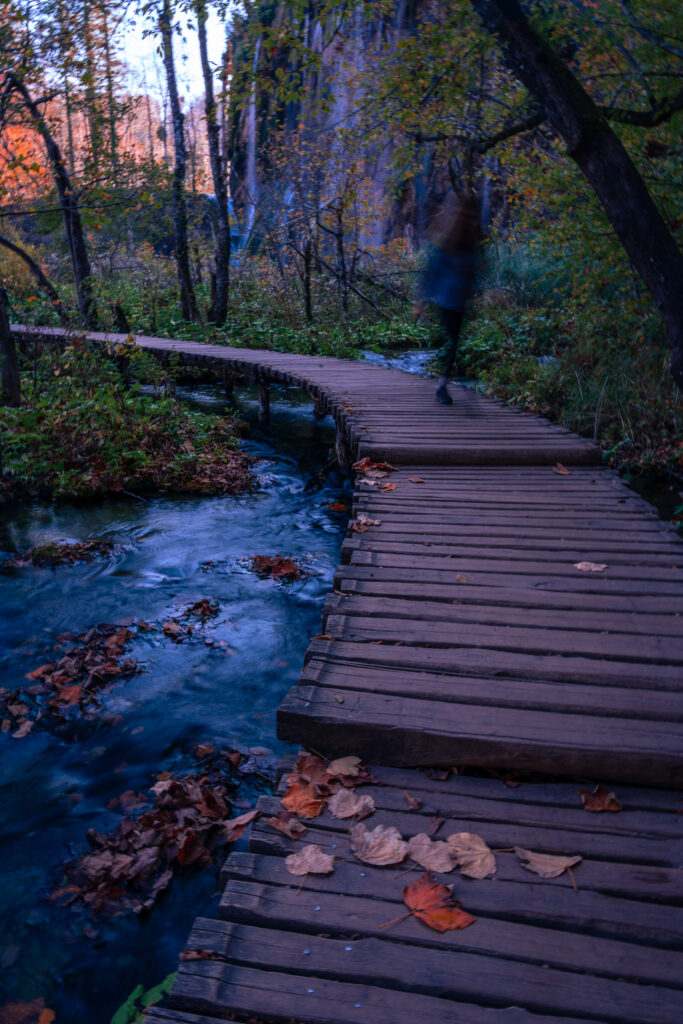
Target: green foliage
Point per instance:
(132, 1011)
(602, 376)
(81, 433)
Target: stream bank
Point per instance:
(220, 687)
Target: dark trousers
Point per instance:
(451, 320)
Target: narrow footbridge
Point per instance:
(504, 605)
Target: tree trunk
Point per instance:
(91, 99)
(188, 301)
(71, 214)
(600, 155)
(219, 306)
(111, 100)
(10, 389)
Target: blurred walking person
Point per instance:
(449, 280)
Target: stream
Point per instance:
(220, 687)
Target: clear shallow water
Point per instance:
(52, 792)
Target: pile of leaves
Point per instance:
(373, 473)
(81, 433)
(181, 822)
(277, 567)
(70, 685)
(64, 552)
(314, 785)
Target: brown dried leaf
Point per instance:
(287, 823)
(435, 904)
(416, 479)
(414, 802)
(233, 829)
(600, 800)
(383, 845)
(432, 854)
(304, 800)
(560, 469)
(345, 766)
(546, 865)
(311, 860)
(471, 854)
(345, 804)
(590, 566)
(388, 487)
(23, 730)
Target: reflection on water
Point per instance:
(173, 551)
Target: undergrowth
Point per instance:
(81, 432)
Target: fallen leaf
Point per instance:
(383, 845)
(414, 802)
(288, 824)
(233, 829)
(172, 629)
(23, 730)
(388, 487)
(338, 506)
(590, 566)
(435, 904)
(560, 469)
(363, 517)
(600, 800)
(471, 854)
(311, 860)
(435, 824)
(432, 854)
(545, 865)
(304, 800)
(345, 804)
(345, 766)
(277, 567)
(416, 479)
(70, 694)
(461, 579)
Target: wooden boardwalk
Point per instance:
(492, 609)
(461, 632)
(540, 951)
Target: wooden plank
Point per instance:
(420, 732)
(665, 650)
(286, 997)
(460, 610)
(344, 914)
(460, 593)
(508, 664)
(604, 701)
(387, 964)
(559, 907)
(582, 583)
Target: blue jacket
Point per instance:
(449, 278)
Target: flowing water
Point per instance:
(172, 551)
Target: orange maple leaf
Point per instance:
(435, 904)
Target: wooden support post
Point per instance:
(320, 405)
(263, 400)
(344, 457)
(229, 377)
